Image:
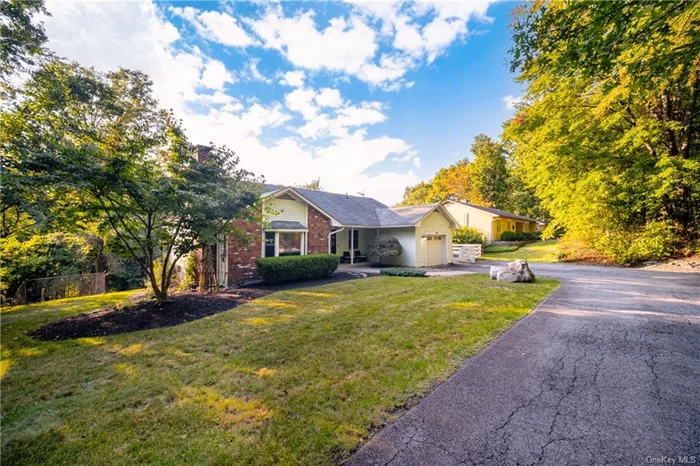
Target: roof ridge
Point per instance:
(337, 194)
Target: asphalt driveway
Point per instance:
(605, 371)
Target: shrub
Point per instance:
(467, 235)
(492, 249)
(385, 246)
(403, 272)
(40, 256)
(295, 268)
(191, 276)
(657, 240)
(520, 236)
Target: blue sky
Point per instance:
(368, 97)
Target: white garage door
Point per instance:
(433, 250)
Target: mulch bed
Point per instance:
(144, 315)
(180, 308)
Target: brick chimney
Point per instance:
(202, 152)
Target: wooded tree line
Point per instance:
(607, 135)
(491, 179)
(91, 155)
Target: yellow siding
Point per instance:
(286, 210)
(366, 236)
(471, 217)
(434, 224)
(407, 238)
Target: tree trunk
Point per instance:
(207, 274)
(161, 294)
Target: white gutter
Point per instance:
(329, 238)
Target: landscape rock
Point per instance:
(495, 269)
(518, 271)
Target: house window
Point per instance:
(269, 244)
(290, 243)
(355, 239)
(284, 243)
(498, 226)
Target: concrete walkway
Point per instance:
(605, 371)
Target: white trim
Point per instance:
(303, 243)
(333, 232)
(300, 230)
(289, 189)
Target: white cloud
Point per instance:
(329, 98)
(511, 101)
(301, 100)
(305, 46)
(309, 103)
(138, 36)
(215, 75)
(293, 78)
(215, 26)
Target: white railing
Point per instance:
(466, 252)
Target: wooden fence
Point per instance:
(466, 252)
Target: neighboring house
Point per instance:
(300, 221)
(492, 222)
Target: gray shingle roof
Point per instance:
(501, 213)
(281, 225)
(360, 211)
(271, 188)
(348, 210)
(409, 215)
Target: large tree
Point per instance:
(489, 173)
(21, 38)
(451, 182)
(608, 133)
(95, 147)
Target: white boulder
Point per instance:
(495, 270)
(518, 271)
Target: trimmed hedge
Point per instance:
(520, 236)
(296, 268)
(403, 272)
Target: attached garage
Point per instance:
(434, 250)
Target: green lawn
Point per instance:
(539, 251)
(297, 377)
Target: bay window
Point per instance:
(284, 243)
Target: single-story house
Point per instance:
(492, 222)
(301, 221)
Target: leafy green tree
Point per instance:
(422, 193)
(608, 133)
(489, 173)
(313, 185)
(98, 148)
(40, 256)
(21, 39)
(452, 182)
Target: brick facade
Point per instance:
(319, 229)
(241, 256)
